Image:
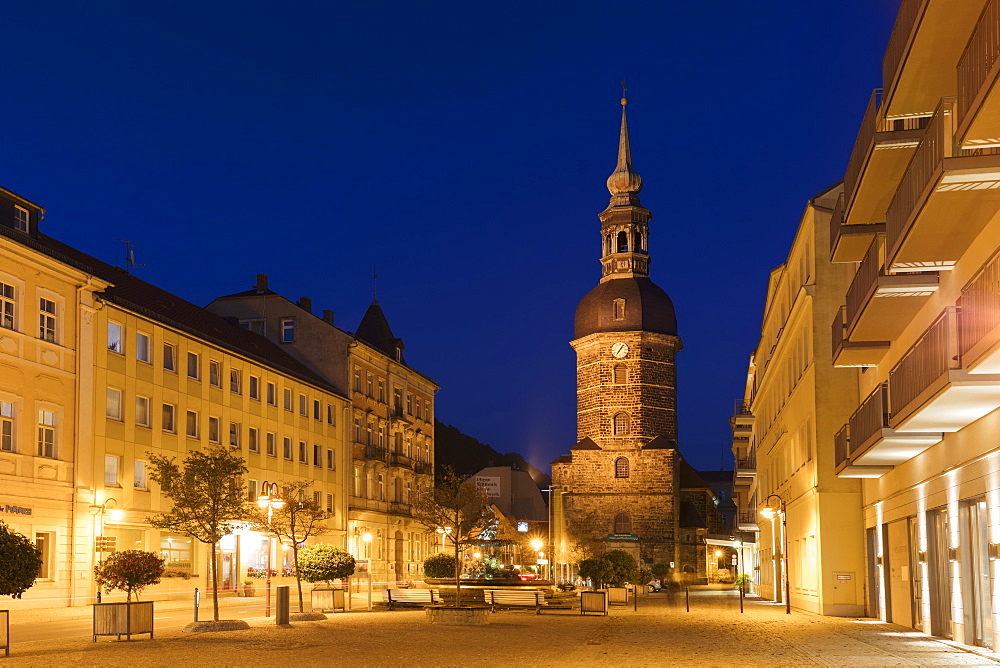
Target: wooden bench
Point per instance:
(515, 597)
(410, 596)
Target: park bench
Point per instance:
(410, 596)
(514, 597)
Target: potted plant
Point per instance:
(130, 571)
(326, 563)
(248, 588)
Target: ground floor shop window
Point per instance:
(175, 550)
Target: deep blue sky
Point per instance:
(463, 147)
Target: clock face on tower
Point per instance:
(619, 349)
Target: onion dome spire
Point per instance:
(624, 181)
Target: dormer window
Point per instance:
(20, 218)
(618, 307)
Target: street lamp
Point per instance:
(768, 511)
(270, 500)
(444, 531)
(101, 543)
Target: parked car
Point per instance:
(654, 586)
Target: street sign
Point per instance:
(623, 536)
(105, 543)
(542, 562)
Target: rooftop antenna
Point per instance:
(130, 256)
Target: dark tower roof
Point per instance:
(647, 308)
(374, 330)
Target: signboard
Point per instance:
(18, 510)
(522, 527)
(542, 562)
(489, 484)
(623, 536)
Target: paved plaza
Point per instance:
(661, 632)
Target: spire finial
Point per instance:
(624, 91)
(624, 179)
(374, 283)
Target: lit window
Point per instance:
(115, 338)
(46, 434)
(255, 388)
(357, 481)
(142, 347)
(621, 468)
(620, 424)
(169, 357)
(139, 475)
(46, 320)
(7, 303)
(272, 394)
(214, 428)
(288, 330)
(142, 411)
(191, 428)
(114, 404)
(215, 373)
(357, 379)
(194, 366)
(381, 390)
(168, 418)
(235, 381)
(111, 470)
(6, 426)
(234, 434)
(253, 440)
(43, 542)
(20, 218)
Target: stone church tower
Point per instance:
(620, 480)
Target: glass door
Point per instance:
(976, 573)
(939, 572)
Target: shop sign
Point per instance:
(623, 536)
(15, 510)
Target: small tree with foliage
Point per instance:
(325, 563)
(20, 562)
(455, 503)
(208, 498)
(613, 568)
(440, 565)
(595, 570)
(130, 571)
(661, 571)
(299, 519)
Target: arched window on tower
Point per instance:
(637, 244)
(622, 242)
(618, 309)
(621, 468)
(607, 245)
(620, 374)
(623, 523)
(620, 424)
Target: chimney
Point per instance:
(328, 315)
(261, 283)
(306, 304)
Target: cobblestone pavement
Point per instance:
(660, 633)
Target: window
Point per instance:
(142, 411)
(618, 309)
(427, 411)
(215, 373)
(114, 404)
(192, 425)
(115, 338)
(255, 325)
(369, 486)
(317, 455)
(271, 444)
(381, 390)
(623, 523)
(255, 388)
(272, 394)
(194, 366)
(331, 461)
(235, 381)
(357, 481)
(621, 468)
(111, 470)
(251, 490)
(370, 386)
(303, 454)
(288, 399)
(409, 404)
(47, 320)
(287, 330)
(170, 357)
(142, 347)
(168, 418)
(253, 440)
(139, 475)
(397, 400)
(234, 434)
(331, 417)
(620, 424)
(6, 426)
(407, 492)
(43, 541)
(357, 430)
(620, 374)
(368, 434)
(381, 487)
(420, 413)
(303, 409)
(286, 449)
(21, 222)
(46, 434)
(329, 503)
(381, 435)
(317, 410)
(7, 303)
(214, 429)
(318, 500)
(357, 379)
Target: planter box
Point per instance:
(5, 631)
(467, 615)
(329, 599)
(617, 595)
(594, 601)
(123, 619)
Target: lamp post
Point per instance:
(368, 541)
(101, 544)
(768, 511)
(269, 499)
(444, 531)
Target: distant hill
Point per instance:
(467, 455)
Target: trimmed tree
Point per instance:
(325, 563)
(440, 565)
(130, 571)
(299, 519)
(613, 568)
(20, 562)
(455, 504)
(208, 498)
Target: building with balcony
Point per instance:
(782, 433)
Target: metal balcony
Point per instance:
(399, 459)
(844, 467)
(978, 72)
(874, 443)
(423, 467)
(853, 353)
(746, 520)
(746, 467)
(980, 330)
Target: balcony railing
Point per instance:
(836, 220)
(746, 517)
(742, 409)
(746, 463)
(423, 467)
(980, 306)
(375, 452)
(399, 508)
(862, 146)
(931, 357)
(865, 282)
(869, 419)
(838, 331)
(980, 55)
(841, 447)
(399, 459)
(901, 31)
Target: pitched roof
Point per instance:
(375, 331)
(562, 459)
(690, 518)
(690, 479)
(660, 443)
(586, 443)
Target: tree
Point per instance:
(325, 563)
(208, 498)
(20, 562)
(595, 570)
(455, 504)
(296, 521)
(130, 571)
(613, 568)
(661, 570)
(586, 534)
(440, 565)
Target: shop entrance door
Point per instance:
(939, 572)
(976, 574)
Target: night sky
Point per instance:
(462, 148)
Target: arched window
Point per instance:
(622, 242)
(618, 309)
(637, 241)
(607, 245)
(623, 523)
(620, 424)
(621, 468)
(620, 375)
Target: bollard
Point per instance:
(741, 596)
(687, 598)
(197, 602)
(281, 615)
(98, 595)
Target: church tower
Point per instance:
(620, 481)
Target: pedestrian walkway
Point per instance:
(661, 632)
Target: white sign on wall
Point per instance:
(488, 484)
